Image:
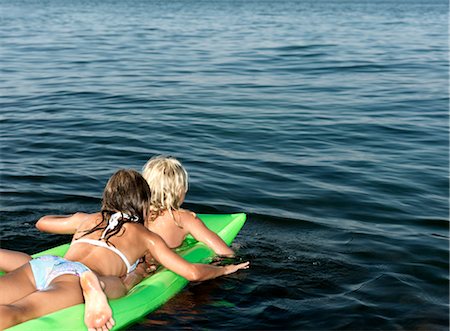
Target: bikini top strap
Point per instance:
(114, 221)
(111, 248)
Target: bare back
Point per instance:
(165, 226)
(130, 241)
(188, 224)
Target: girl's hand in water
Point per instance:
(229, 269)
(221, 260)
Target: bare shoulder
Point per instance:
(187, 215)
(188, 218)
(140, 232)
(87, 216)
(86, 220)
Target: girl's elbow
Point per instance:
(44, 223)
(193, 274)
(40, 223)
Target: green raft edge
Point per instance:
(141, 300)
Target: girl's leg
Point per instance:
(22, 302)
(97, 312)
(65, 291)
(16, 284)
(10, 260)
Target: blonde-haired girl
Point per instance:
(169, 181)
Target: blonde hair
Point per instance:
(168, 181)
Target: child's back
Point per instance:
(168, 182)
(173, 233)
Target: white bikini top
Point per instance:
(113, 221)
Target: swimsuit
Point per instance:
(48, 267)
(130, 267)
(112, 223)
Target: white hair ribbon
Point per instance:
(114, 221)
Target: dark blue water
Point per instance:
(325, 121)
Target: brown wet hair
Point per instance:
(126, 192)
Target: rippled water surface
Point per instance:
(325, 121)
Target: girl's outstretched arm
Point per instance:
(200, 232)
(190, 271)
(62, 224)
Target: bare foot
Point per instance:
(97, 312)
